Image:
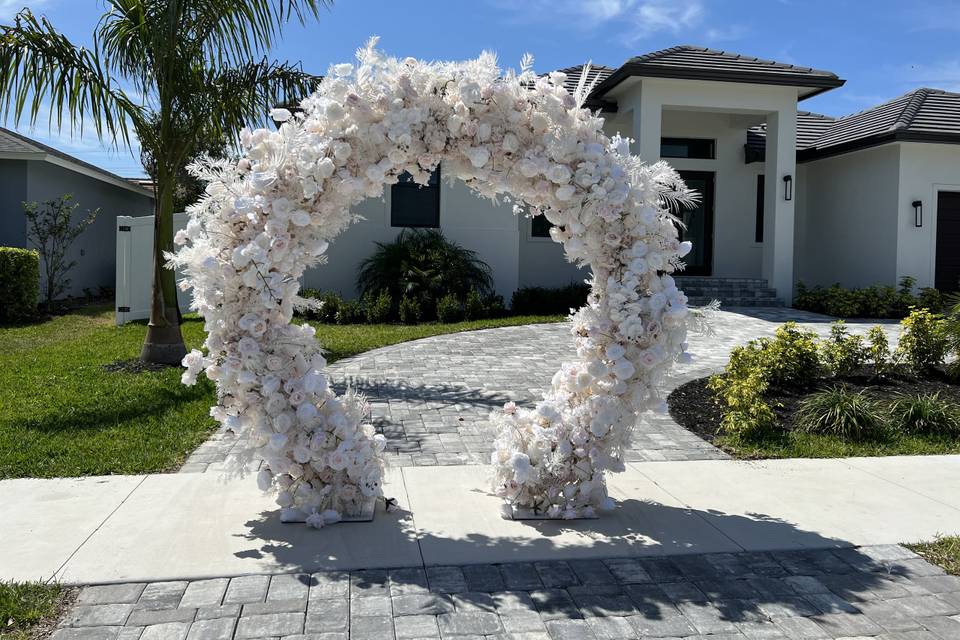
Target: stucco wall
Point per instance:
(850, 233)
(925, 169)
(95, 249)
(490, 230)
(736, 254)
(13, 191)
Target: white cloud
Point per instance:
(629, 20)
(9, 8)
(944, 74)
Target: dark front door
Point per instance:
(947, 277)
(698, 224)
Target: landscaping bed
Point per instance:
(797, 395)
(31, 610)
(695, 407)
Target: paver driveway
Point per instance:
(432, 397)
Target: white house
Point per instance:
(787, 195)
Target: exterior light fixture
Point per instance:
(788, 187)
(917, 213)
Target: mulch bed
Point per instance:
(695, 408)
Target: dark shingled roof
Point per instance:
(597, 74)
(923, 115)
(700, 63)
(13, 142)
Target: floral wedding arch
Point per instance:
(516, 136)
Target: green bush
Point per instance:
(878, 351)
(843, 353)
(544, 301)
(449, 309)
(926, 413)
(377, 307)
(838, 411)
(877, 301)
(19, 283)
(792, 357)
(424, 264)
(349, 312)
(474, 307)
(329, 305)
(409, 310)
(740, 389)
(924, 342)
(494, 306)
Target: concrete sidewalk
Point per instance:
(184, 526)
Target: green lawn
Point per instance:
(28, 609)
(808, 445)
(944, 551)
(62, 414)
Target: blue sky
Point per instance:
(882, 48)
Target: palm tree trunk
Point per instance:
(164, 341)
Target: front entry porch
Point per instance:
(730, 292)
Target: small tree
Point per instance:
(51, 228)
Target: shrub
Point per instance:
(19, 283)
(377, 308)
(494, 306)
(924, 342)
(50, 227)
(878, 351)
(926, 413)
(876, 301)
(843, 353)
(474, 307)
(424, 264)
(740, 389)
(544, 301)
(792, 357)
(449, 309)
(349, 312)
(329, 305)
(838, 411)
(409, 310)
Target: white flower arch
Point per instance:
(515, 135)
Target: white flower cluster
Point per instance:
(269, 217)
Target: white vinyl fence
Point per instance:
(135, 267)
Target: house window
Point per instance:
(413, 205)
(698, 148)
(540, 227)
(758, 232)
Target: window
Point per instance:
(758, 233)
(687, 148)
(540, 227)
(412, 205)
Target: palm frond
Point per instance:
(37, 64)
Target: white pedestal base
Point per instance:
(290, 516)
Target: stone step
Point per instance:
(700, 301)
(700, 292)
(711, 281)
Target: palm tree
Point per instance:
(174, 73)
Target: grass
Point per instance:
(62, 414)
(944, 552)
(797, 444)
(29, 609)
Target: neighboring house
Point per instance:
(787, 195)
(31, 171)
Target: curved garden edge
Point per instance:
(694, 407)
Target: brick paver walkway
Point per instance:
(431, 397)
(883, 592)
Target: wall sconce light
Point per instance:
(917, 213)
(788, 187)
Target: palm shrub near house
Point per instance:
(423, 264)
(19, 283)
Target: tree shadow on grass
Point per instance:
(648, 562)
